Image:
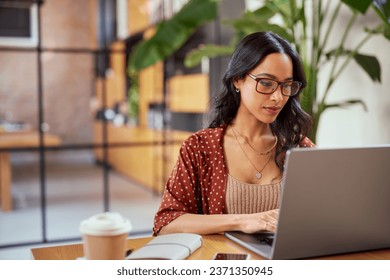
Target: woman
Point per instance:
(228, 176)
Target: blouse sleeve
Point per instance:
(179, 195)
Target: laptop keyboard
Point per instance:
(265, 237)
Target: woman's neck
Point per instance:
(252, 129)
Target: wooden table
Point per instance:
(211, 245)
(14, 140)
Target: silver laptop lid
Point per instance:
(334, 201)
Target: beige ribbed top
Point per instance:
(243, 198)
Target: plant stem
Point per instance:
(337, 54)
(321, 106)
(292, 22)
(352, 54)
(330, 27)
(312, 63)
(304, 29)
(316, 23)
(327, 8)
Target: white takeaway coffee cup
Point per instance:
(104, 236)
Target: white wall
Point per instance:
(353, 126)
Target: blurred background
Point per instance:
(86, 125)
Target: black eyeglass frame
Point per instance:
(257, 79)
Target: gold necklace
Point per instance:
(258, 174)
(250, 146)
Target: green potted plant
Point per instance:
(170, 35)
(311, 39)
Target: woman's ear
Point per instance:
(236, 84)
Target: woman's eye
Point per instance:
(266, 83)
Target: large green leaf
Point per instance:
(281, 7)
(173, 33)
(371, 65)
(358, 5)
(264, 13)
(247, 25)
(197, 12)
(194, 57)
(382, 7)
(288, 10)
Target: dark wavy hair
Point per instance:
(292, 123)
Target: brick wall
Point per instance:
(67, 77)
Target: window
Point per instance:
(18, 24)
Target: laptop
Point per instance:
(334, 200)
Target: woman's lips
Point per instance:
(272, 109)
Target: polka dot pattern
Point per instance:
(198, 180)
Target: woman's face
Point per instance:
(265, 107)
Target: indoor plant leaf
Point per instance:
(345, 104)
(386, 31)
(382, 7)
(173, 33)
(358, 5)
(264, 13)
(194, 57)
(370, 64)
(250, 25)
(167, 38)
(197, 12)
(383, 29)
(281, 7)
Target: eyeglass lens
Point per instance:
(269, 86)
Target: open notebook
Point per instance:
(175, 246)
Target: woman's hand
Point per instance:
(250, 223)
(218, 223)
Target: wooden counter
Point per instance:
(12, 140)
(211, 245)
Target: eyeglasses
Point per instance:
(269, 86)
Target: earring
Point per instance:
(237, 90)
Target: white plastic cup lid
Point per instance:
(105, 224)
